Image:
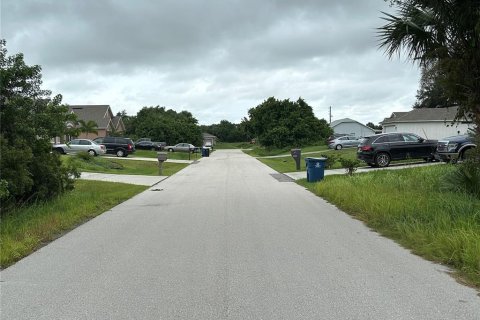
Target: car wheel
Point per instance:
(382, 159)
(120, 153)
(170, 150)
(92, 153)
(60, 150)
(338, 147)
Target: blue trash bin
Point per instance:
(205, 152)
(315, 169)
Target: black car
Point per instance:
(380, 149)
(150, 145)
(121, 147)
(454, 148)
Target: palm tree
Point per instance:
(444, 32)
(88, 127)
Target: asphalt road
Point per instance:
(223, 239)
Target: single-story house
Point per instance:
(430, 123)
(209, 139)
(351, 127)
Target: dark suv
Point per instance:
(121, 147)
(380, 149)
(454, 148)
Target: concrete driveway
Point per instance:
(225, 239)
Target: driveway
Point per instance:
(224, 239)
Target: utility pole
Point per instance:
(330, 114)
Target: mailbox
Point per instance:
(161, 156)
(296, 155)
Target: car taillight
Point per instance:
(130, 147)
(366, 148)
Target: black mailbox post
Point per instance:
(296, 154)
(162, 157)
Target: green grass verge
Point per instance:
(170, 155)
(122, 166)
(233, 145)
(24, 230)
(438, 225)
(287, 164)
(257, 151)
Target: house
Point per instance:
(430, 123)
(209, 139)
(351, 127)
(102, 115)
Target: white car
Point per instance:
(79, 145)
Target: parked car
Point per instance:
(150, 145)
(121, 147)
(333, 137)
(185, 147)
(344, 142)
(78, 145)
(452, 149)
(380, 149)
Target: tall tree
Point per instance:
(446, 33)
(431, 93)
(87, 127)
(284, 123)
(29, 119)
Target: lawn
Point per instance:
(25, 229)
(123, 166)
(287, 164)
(170, 155)
(410, 207)
(258, 151)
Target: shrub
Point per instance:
(331, 159)
(84, 156)
(350, 165)
(465, 178)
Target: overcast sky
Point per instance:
(214, 58)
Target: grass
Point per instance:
(122, 166)
(439, 225)
(170, 155)
(24, 230)
(287, 164)
(258, 151)
(233, 145)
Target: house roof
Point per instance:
(101, 114)
(118, 123)
(423, 115)
(206, 135)
(347, 120)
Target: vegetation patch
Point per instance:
(413, 209)
(25, 229)
(122, 166)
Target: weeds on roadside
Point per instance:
(350, 165)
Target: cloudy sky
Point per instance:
(214, 58)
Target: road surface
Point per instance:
(223, 239)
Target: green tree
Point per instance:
(87, 127)
(446, 33)
(29, 119)
(373, 126)
(431, 91)
(284, 123)
(170, 126)
(227, 131)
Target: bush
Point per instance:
(84, 156)
(350, 165)
(331, 159)
(465, 178)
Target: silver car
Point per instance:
(185, 147)
(344, 142)
(78, 145)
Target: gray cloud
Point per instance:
(215, 58)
